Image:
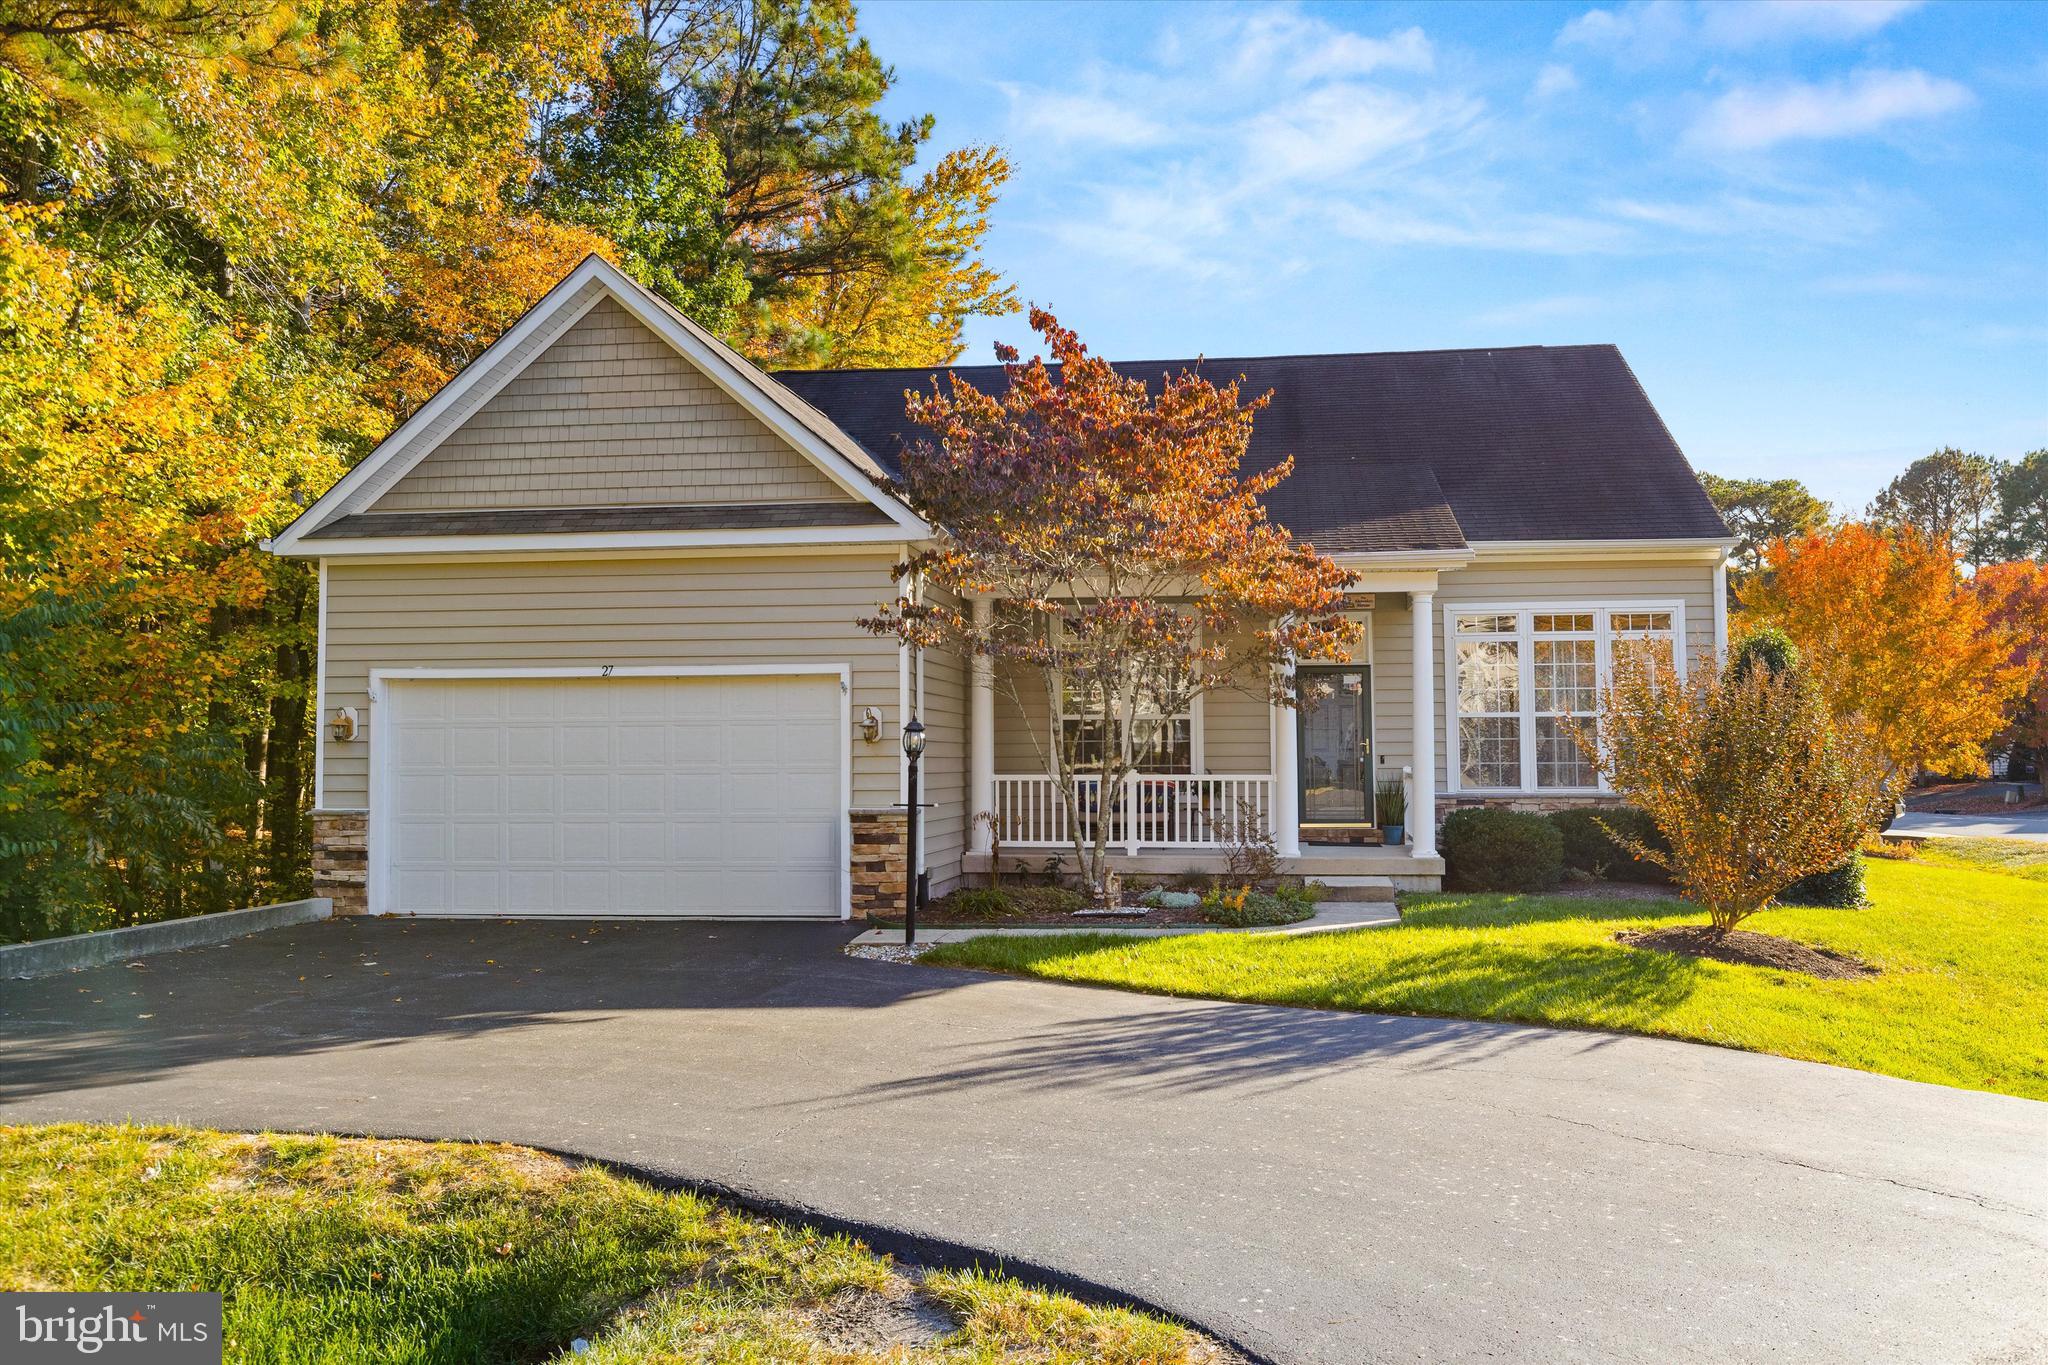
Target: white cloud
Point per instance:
(1078, 117)
(1283, 43)
(1646, 31)
(1751, 118)
(1749, 23)
(1553, 80)
(1549, 309)
(1819, 219)
(1899, 282)
(1338, 128)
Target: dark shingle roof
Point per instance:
(528, 521)
(1405, 449)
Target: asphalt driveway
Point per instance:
(1316, 1187)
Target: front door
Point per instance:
(1336, 746)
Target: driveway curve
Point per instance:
(1315, 1187)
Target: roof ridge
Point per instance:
(1230, 359)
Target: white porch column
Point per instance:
(1422, 819)
(1286, 780)
(981, 736)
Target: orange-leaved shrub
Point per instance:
(1751, 776)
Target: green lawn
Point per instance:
(2020, 857)
(347, 1250)
(1961, 1000)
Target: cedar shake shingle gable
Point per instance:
(1406, 450)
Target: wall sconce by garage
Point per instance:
(871, 725)
(343, 725)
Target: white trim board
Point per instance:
(381, 798)
(580, 291)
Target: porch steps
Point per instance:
(1359, 888)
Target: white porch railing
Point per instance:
(1153, 810)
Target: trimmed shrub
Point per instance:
(1840, 887)
(1170, 900)
(1591, 849)
(1766, 647)
(1501, 850)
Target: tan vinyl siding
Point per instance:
(943, 708)
(588, 612)
(1393, 690)
(1593, 583)
(1237, 732)
(609, 416)
(1019, 718)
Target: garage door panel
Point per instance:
(621, 796)
(531, 794)
(530, 745)
(583, 794)
(531, 890)
(474, 842)
(476, 794)
(423, 794)
(586, 841)
(640, 793)
(806, 795)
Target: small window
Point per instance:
(1503, 624)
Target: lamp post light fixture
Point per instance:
(913, 749)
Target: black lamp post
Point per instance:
(913, 749)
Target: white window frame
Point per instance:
(1525, 649)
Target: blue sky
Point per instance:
(1818, 230)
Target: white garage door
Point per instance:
(613, 796)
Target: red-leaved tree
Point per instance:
(2015, 598)
(1131, 561)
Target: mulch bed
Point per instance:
(1746, 949)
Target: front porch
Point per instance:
(1308, 779)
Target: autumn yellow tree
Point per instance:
(1895, 635)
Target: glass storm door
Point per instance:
(1336, 747)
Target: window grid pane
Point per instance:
(1490, 751)
(1489, 677)
(1559, 763)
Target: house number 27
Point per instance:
(605, 670)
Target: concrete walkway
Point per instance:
(1323, 1188)
(1914, 824)
(1329, 917)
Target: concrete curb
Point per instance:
(1339, 915)
(49, 956)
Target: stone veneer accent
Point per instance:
(1539, 805)
(878, 862)
(341, 859)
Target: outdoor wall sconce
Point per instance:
(871, 725)
(343, 726)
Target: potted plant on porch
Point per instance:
(1391, 803)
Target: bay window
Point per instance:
(1525, 678)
